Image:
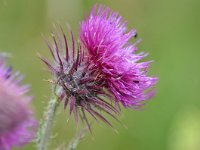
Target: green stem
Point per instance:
(45, 130)
(77, 138)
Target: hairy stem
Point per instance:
(45, 130)
(77, 138)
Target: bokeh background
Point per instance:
(171, 34)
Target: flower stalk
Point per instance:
(77, 138)
(45, 130)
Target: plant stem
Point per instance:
(77, 138)
(45, 130)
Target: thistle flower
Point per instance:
(16, 119)
(80, 86)
(105, 36)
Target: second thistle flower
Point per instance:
(17, 123)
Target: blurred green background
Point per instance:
(170, 33)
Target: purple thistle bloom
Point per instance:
(80, 86)
(16, 118)
(105, 36)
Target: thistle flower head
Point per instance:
(16, 119)
(80, 86)
(104, 34)
(104, 64)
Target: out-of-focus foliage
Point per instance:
(170, 32)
